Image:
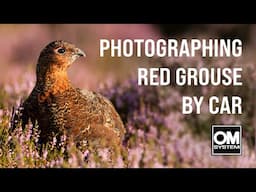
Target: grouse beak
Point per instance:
(79, 52)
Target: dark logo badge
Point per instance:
(226, 140)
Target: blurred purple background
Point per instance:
(159, 135)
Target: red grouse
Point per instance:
(58, 108)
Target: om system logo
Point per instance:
(226, 140)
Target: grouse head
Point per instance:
(58, 56)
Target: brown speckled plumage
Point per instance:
(60, 108)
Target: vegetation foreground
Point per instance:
(158, 134)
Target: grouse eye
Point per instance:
(61, 50)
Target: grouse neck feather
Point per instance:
(52, 82)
